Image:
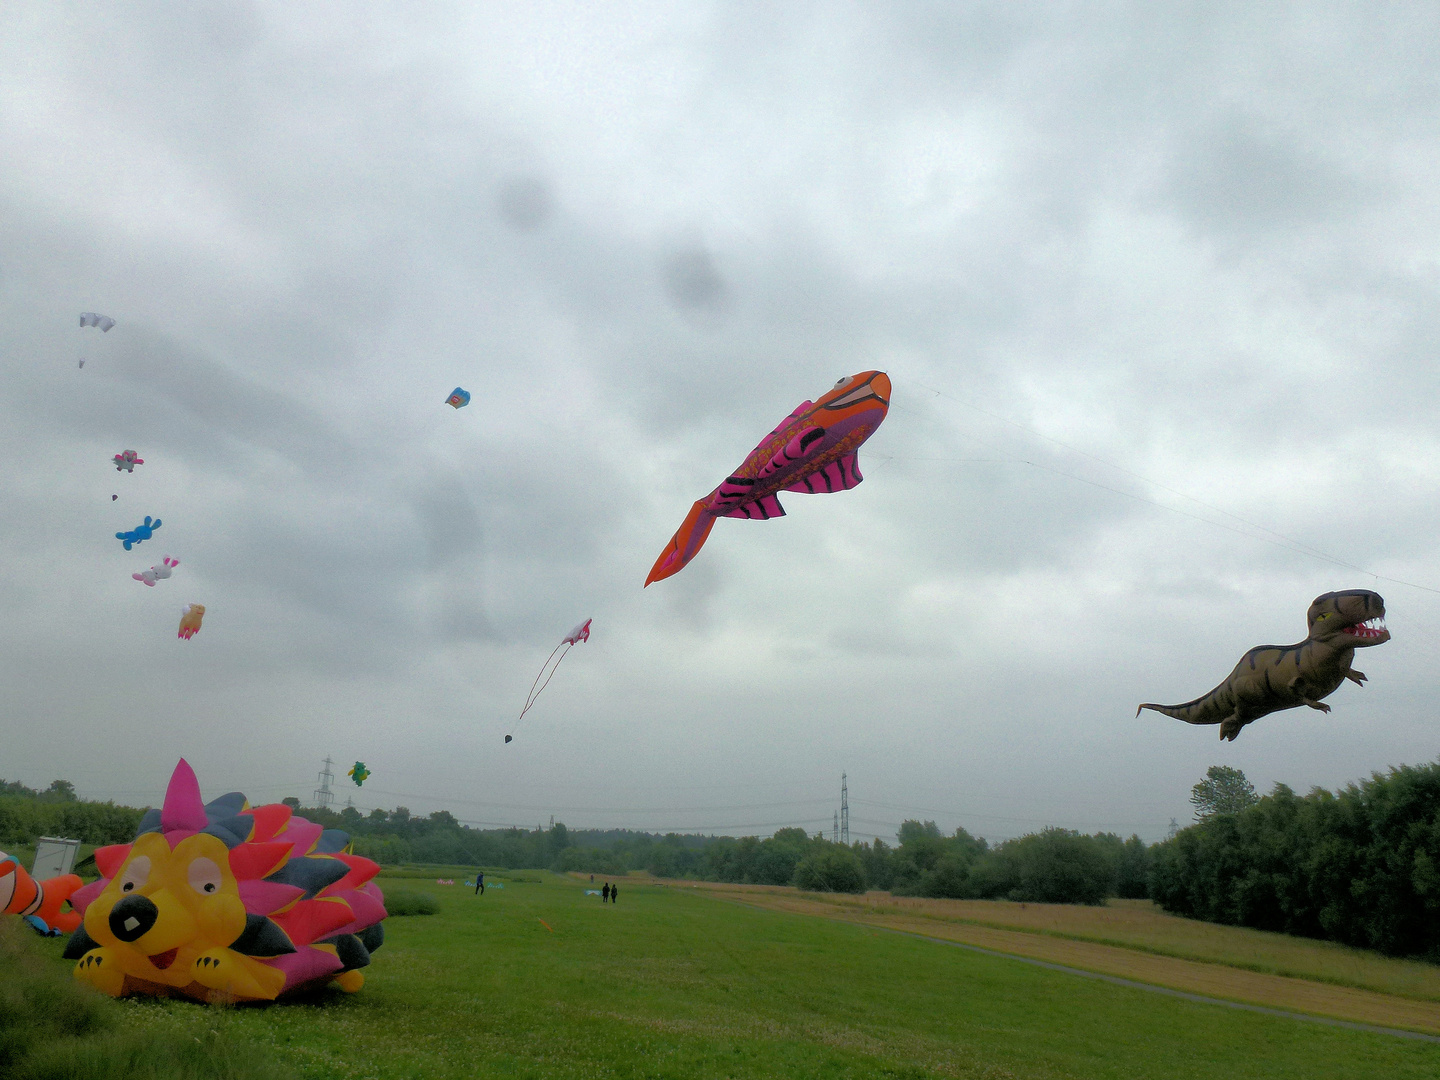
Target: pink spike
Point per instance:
(302, 835)
(267, 897)
(183, 807)
(368, 910)
(80, 899)
(304, 964)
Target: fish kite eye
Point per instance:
(841, 382)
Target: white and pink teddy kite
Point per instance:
(158, 573)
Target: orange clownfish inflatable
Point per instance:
(38, 902)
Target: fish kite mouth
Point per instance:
(163, 960)
(1371, 628)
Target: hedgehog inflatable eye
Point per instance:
(205, 877)
(136, 874)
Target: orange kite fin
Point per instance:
(685, 544)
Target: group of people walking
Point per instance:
(608, 895)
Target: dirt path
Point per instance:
(1222, 984)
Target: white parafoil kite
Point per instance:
(569, 641)
(104, 322)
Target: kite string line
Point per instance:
(1299, 545)
(532, 695)
(1275, 538)
(536, 693)
(1283, 542)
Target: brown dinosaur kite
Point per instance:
(1274, 677)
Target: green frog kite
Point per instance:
(1270, 678)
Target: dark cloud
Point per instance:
(526, 203)
(693, 281)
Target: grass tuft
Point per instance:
(54, 1028)
(210, 1054)
(399, 903)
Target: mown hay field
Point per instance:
(1137, 925)
(540, 980)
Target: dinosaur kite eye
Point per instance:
(205, 876)
(136, 874)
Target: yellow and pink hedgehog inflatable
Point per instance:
(222, 901)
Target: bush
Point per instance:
(1058, 866)
(836, 869)
(399, 904)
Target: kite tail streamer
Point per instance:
(534, 693)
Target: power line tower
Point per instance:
(835, 836)
(844, 812)
(1174, 828)
(323, 795)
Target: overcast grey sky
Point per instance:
(1149, 279)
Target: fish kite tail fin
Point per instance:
(58, 890)
(685, 544)
(38, 900)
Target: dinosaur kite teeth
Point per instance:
(1370, 628)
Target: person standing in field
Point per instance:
(605, 893)
(614, 893)
(479, 882)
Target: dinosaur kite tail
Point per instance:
(1212, 708)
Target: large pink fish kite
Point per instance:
(812, 451)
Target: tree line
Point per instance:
(1056, 865)
(1360, 866)
(26, 815)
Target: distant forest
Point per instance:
(1360, 866)
(1056, 866)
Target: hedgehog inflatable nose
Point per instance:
(132, 917)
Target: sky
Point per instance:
(1156, 286)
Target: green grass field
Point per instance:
(674, 983)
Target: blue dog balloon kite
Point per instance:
(139, 533)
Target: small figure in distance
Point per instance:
(614, 893)
(592, 879)
(605, 893)
(479, 882)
